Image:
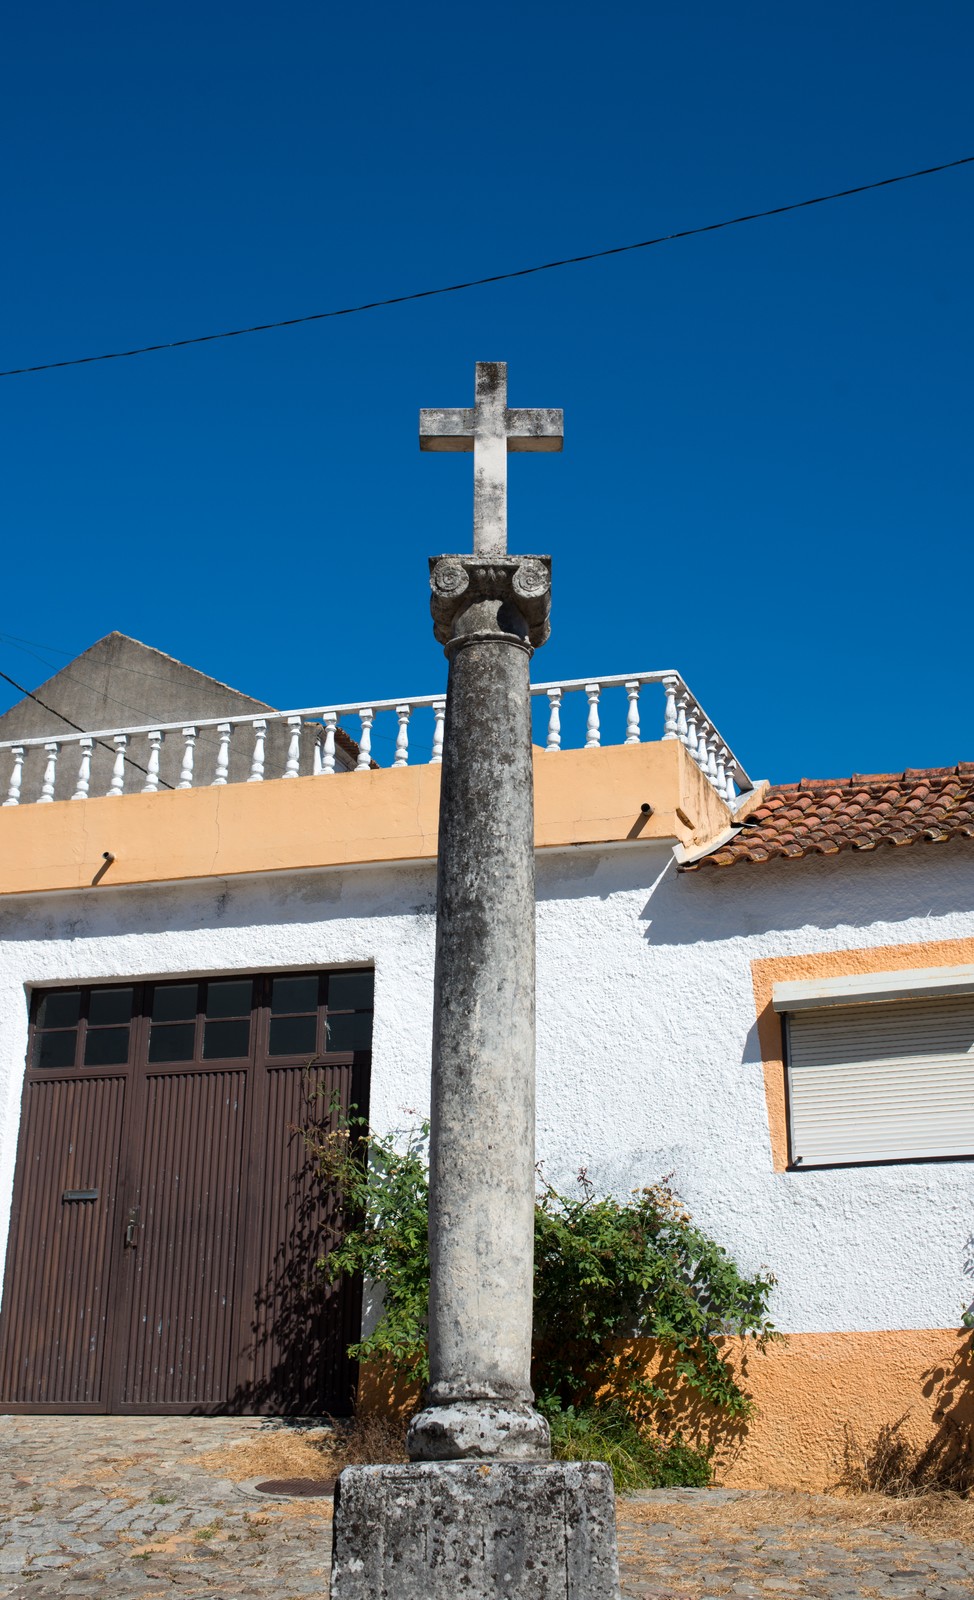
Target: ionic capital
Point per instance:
(507, 597)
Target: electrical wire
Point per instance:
(129, 760)
(130, 671)
(497, 277)
(70, 677)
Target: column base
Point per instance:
(464, 1530)
(479, 1430)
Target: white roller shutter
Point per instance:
(885, 1081)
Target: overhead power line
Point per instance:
(496, 277)
(129, 760)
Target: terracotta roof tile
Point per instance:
(821, 816)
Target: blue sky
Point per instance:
(767, 474)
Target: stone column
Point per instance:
(489, 612)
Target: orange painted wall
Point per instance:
(388, 814)
(819, 1395)
(818, 1398)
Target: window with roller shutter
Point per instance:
(887, 1077)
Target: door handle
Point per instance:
(132, 1226)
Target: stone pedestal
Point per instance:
(462, 1530)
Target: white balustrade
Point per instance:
(117, 785)
(554, 719)
(328, 743)
(292, 766)
(224, 730)
(256, 774)
(703, 753)
(614, 710)
(439, 724)
(50, 770)
(189, 757)
(682, 729)
(402, 737)
(721, 769)
(593, 733)
(366, 718)
(16, 776)
(632, 715)
(713, 741)
(84, 770)
(151, 785)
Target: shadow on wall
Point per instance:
(894, 1463)
(849, 890)
(683, 1411)
(168, 909)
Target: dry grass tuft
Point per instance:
(890, 1464)
(838, 1516)
(283, 1452)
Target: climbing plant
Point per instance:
(607, 1273)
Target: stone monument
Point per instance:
(482, 1511)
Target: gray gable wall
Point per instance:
(118, 683)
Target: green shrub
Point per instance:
(638, 1459)
(607, 1271)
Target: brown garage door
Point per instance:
(167, 1216)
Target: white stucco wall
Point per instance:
(648, 1060)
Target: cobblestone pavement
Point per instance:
(122, 1506)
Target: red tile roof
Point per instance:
(821, 816)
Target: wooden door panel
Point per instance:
(59, 1255)
(301, 1324)
(179, 1350)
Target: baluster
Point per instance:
(84, 769)
(257, 761)
(593, 736)
(702, 752)
(366, 717)
(224, 730)
(554, 720)
(721, 756)
(328, 744)
(439, 722)
(316, 756)
(293, 764)
(189, 756)
(117, 785)
(682, 726)
(402, 737)
(692, 740)
(151, 784)
(730, 767)
(713, 741)
(669, 715)
(16, 776)
(50, 771)
(632, 715)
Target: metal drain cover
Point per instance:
(297, 1488)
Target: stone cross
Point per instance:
(491, 429)
(482, 1512)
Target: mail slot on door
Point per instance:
(80, 1194)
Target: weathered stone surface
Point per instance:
(479, 1430)
(478, 1404)
(64, 1477)
(490, 428)
(468, 1531)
